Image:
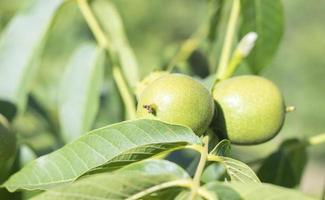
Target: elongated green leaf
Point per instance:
(215, 18)
(20, 44)
(113, 146)
(138, 180)
(111, 22)
(253, 191)
(264, 17)
(239, 171)
(66, 35)
(80, 91)
(285, 166)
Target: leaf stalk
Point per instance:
(231, 28)
(197, 177)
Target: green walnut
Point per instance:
(147, 81)
(251, 109)
(177, 99)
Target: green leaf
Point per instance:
(137, 180)
(222, 148)
(223, 191)
(155, 167)
(253, 191)
(170, 193)
(215, 18)
(239, 171)
(80, 91)
(285, 166)
(55, 56)
(214, 172)
(8, 147)
(112, 146)
(111, 22)
(186, 195)
(11, 167)
(20, 44)
(266, 19)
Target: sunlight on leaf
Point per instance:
(107, 148)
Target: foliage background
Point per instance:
(155, 28)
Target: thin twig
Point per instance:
(123, 88)
(93, 24)
(103, 42)
(225, 54)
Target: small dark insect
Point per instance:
(150, 109)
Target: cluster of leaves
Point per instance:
(113, 162)
(100, 166)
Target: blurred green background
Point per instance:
(156, 28)
(299, 70)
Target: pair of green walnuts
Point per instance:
(244, 109)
